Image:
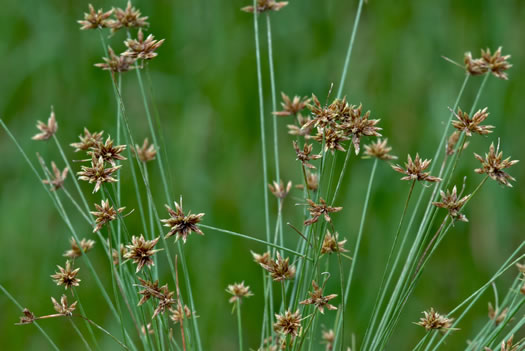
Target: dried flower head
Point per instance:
(318, 300)
(141, 251)
(279, 269)
(46, 130)
(304, 154)
(142, 49)
(359, 125)
(323, 116)
(292, 107)
(475, 67)
(87, 141)
(312, 181)
(104, 214)
(453, 204)
(380, 150)
(146, 152)
(180, 313)
(333, 139)
(95, 19)
(318, 210)
(508, 345)
(150, 289)
(180, 224)
(414, 170)
(165, 301)
(66, 276)
(328, 337)
(494, 164)
(76, 249)
(97, 174)
(497, 63)
(27, 318)
(496, 315)
(332, 245)
(263, 259)
(452, 141)
(299, 129)
(116, 64)
(435, 321)
(471, 125)
(127, 18)
(59, 177)
(63, 307)
(238, 290)
(279, 190)
(108, 152)
(266, 5)
(288, 323)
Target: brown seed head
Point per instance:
(288, 323)
(304, 154)
(141, 251)
(318, 210)
(322, 115)
(471, 125)
(180, 313)
(238, 290)
(108, 152)
(97, 174)
(279, 190)
(475, 67)
(182, 225)
(435, 321)
(76, 250)
(150, 290)
(266, 5)
(165, 302)
(146, 152)
(359, 125)
(452, 141)
(453, 204)
(95, 19)
(318, 300)
(87, 141)
(46, 130)
(66, 276)
(116, 64)
(27, 318)
(380, 150)
(63, 307)
(127, 18)
(292, 107)
(279, 269)
(332, 245)
(59, 177)
(142, 49)
(312, 181)
(497, 63)
(104, 214)
(414, 170)
(299, 129)
(333, 139)
(494, 164)
(263, 259)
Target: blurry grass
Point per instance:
(204, 84)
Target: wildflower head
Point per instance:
(359, 125)
(116, 64)
(320, 209)
(280, 268)
(312, 181)
(288, 323)
(238, 290)
(59, 177)
(66, 276)
(494, 164)
(87, 141)
(27, 317)
(146, 152)
(182, 225)
(496, 62)
(471, 125)
(95, 19)
(333, 139)
(304, 155)
(104, 214)
(452, 141)
(318, 300)
(379, 150)
(63, 307)
(141, 48)
(332, 245)
(127, 18)
(279, 190)
(263, 259)
(46, 130)
(180, 313)
(434, 321)
(415, 170)
(475, 67)
(265, 5)
(292, 106)
(76, 249)
(97, 173)
(453, 204)
(141, 251)
(108, 152)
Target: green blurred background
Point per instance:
(204, 86)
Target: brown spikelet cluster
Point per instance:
(140, 251)
(141, 48)
(67, 276)
(497, 63)
(105, 213)
(95, 19)
(279, 269)
(182, 225)
(46, 130)
(64, 308)
(76, 249)
(162, 295)
(116, 63)
(288, 323)
(380, 150)
(88, 140)
(312, 181)
(494, 164)
(265, 5)
(474, 66)
(97, 173)
(332, 245)
(414, 170)
(239, 291)
(434, 321)
(180, 313)
(318, 300)
(27, 317)
(453, 204)
(279, 190)
(304, 155)
(108, 152)
(471, 125)
(58, 177)
(292, 107)
(146, 152)
(130, 17)
(452, 141)
(320, 209)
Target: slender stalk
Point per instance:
(79, 334)
(239, 323)
(103, 330)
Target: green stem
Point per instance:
(239, 322)
(79, 334)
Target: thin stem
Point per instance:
(429, 246)
(102, 330)
(274, 99)
(80, 334)
(239, 322)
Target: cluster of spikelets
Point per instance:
(332, 126)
